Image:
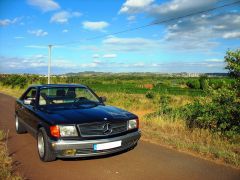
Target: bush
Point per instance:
(222, 114)
(164, 105)
(165, 109)
(203, 80)
(149, 95)
(194, 84)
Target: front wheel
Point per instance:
(45, 151)
(18, 126)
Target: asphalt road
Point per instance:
(146, 161)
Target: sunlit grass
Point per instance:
(15, 92)
(200, 141)
(5, 161)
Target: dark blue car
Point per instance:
(72, 121)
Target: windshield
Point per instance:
(66, 95)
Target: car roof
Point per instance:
(58, 85)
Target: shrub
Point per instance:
(194, 84)
(222, 114)
(203, 82)
(164, 105)
(150, 95)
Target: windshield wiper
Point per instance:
(86, 102)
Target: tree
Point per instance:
(232, 59)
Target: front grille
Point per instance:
(102, 128)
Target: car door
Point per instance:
(20, 106)
(28, 110)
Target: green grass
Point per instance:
(135, 89)
(199, 141)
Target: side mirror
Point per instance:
(29, 102)
(103, 99)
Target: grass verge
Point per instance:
(200, 142)
(6, 171)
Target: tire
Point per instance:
(18, 126)
(45, 151)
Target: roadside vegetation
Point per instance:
(6, 171)
(200, 115)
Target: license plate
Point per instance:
(109, 145)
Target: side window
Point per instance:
(30, 96)
(42, 99)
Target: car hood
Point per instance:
(86, 115)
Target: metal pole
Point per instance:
(49, 62)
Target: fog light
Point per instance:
(69, 152)
(53, 145)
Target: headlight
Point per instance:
(66, 131)
(132, 124)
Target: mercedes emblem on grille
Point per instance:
(107, 129)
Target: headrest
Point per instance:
(60, 92)
(71, 93)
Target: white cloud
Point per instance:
(131, 18)
(97, 62)
(214, 60)
(37, 63)
(63, 16)
(201, 32)
(36, 46)
(95, 56)
(98, 25)
(109, 56)
(44, 5)
(38, 32)
(130, 44)
(23, 63)
(133, 6)
(65, 30)
(6, 22)
(229, 35)
(175, 8)
(19, 37)
(140, 64)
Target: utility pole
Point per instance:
(49, 62)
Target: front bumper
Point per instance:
(85, 148)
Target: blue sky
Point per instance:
(193, 44)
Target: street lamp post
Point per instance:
(49, 62)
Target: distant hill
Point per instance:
(182, 74)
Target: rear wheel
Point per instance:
(45, 151)
(18, 126)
